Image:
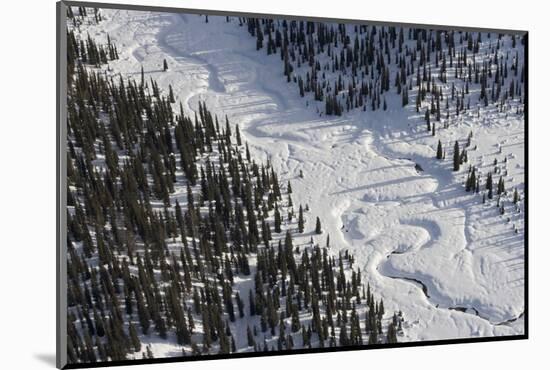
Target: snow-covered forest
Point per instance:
(247, 185)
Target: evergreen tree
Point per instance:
(489, 185)
(134, 338)
(301, 220)
(427, 118)
(318, 229)
(250, 337)
(439, 154)
(456, 157)
(238, 135)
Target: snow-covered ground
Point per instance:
(453, 265)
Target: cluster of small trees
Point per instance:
(350, 66)
(473, 178)
(86, 49)
(165, 211)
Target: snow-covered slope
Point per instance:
(452, 264)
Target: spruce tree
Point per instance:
(427, 118)
(301, 220)
(250, 337)
(489, 185)
(456, 157)
(318, 229)
(134, 338)
(238, 135)
(439, 154)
